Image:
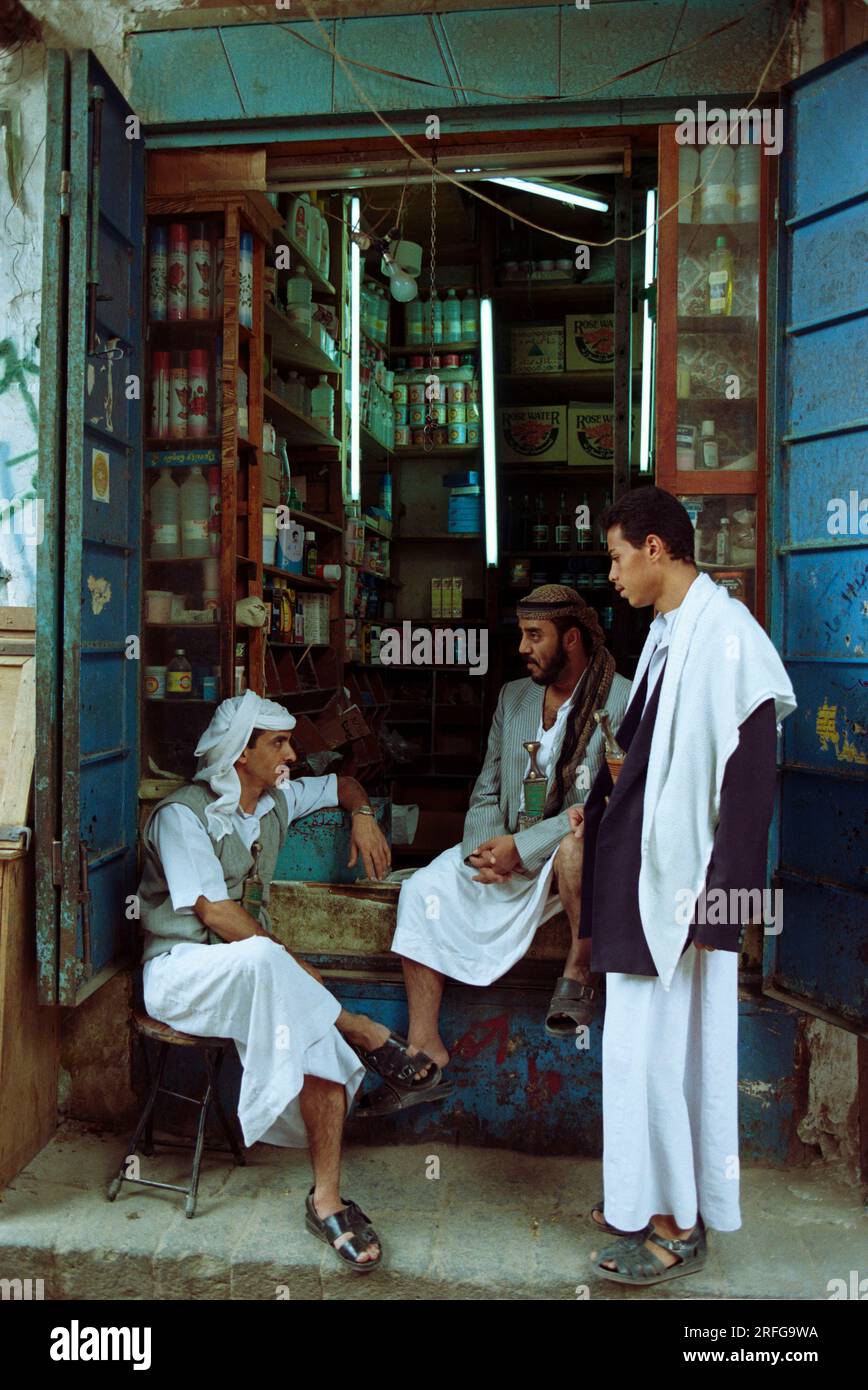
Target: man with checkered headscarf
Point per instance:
(473, 912)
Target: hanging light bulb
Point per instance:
(401, 286)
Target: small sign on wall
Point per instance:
(99, 476)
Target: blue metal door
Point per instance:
(87, 777)
(819, 579)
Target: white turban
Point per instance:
(222, 744)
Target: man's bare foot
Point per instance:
(665, 1227)
(367, 1033)
(324, 1207)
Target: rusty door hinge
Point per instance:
(64, 192)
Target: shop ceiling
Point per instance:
(503, 68)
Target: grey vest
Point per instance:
(162, 926)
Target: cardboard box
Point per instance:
(590, 342)
(270, 479)
(591, 435)
(532, 433)
(457, 596)
(446, 596)
(436, 598)
(536, 348)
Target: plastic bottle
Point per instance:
(179, 677)
(381, 309)
(245, 279)
(213, 511)
(200, 271)
(310, 554)
(413, 321)
(165, 499)
(688, 178)
(470, 317)
(720, 278)
(294, 394)
(452, 317)
(747, 180)
(314, 241)
(322, 404)
(299, 292)
(298, 225)
(709, 445)
(178, 270)
(157, 282)
(197, 393)
(195, 515)
(721, 543)
(324, 245)
(717, 195)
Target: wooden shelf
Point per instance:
(372, 526)
(439, 451)
(205, 441)
(443, 536)
(742, 324)
(298, 428)
(297, 646)
(198, 627)
(290, 345)
(552, 292)
(315, 520)
(371, 446)
(301, 581)
(554, 383)
(439, 349)
(556, 470)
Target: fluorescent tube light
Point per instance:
(489, 465)
(355, 350)
(559, 192)
(647, 337)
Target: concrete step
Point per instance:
(457, 1223)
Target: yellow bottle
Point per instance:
(720, 279)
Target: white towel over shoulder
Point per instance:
(721, 667)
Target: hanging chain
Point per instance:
(431, 403)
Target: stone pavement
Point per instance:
(495, 1225)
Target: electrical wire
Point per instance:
(528, 98)
(510, 212)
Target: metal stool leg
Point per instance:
(205, 1103)
(221, 1113)
(145, 1124)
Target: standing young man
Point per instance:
(687, 817)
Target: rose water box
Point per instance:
(528, 433)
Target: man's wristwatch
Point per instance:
(364, 810)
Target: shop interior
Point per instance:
(334, 453)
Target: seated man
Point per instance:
(211, 966)
(472, 913)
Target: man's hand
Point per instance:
(368, 840)
(496, 859)
(577, 821)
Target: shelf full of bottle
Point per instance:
(725, 530)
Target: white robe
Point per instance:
(252, 990)
(670, 1095)
(475, 932)
(281, 1019)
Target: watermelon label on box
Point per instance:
(534, 432)
(536, 348)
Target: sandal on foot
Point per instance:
(330, 1228)
(638, 1266)
(389, 1099)
(572, 1004)
(392, 1062)
(604, 1225)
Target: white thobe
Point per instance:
(670, 1095)
(475, 932)
(281, 1019)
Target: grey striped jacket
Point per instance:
(496, 796)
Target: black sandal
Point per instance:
(330, 1228)
(572, 1004)
(640, 1267)
(604, 1225)
(394, 1065)
(389, 1099)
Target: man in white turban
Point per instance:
(212, 968)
